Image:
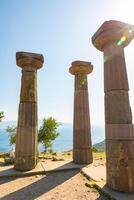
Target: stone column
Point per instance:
(82, 152)
(26, 152)
(111, 38)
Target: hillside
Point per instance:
(100, 146)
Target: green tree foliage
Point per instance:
(12, 134)
(101, 146)
(1, 116)
(48, 132)
(94, 149)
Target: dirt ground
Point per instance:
(69, 185)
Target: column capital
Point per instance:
(29, 61)
(81, 67)
(113, 32)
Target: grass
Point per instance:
(65, 155)
(100, 155)
(68, 154)
(2, 162)
(59, 155)
(93, 185)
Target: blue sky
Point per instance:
(61, 30)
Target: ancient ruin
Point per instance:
(111, 38)
(26, 152)
(82, 152)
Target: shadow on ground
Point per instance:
(40, 187)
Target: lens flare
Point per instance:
(122, 40)
(83, 82)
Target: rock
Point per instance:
(9, 160)
(54, 154)
(57, 159)
(12, 154)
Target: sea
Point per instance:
(63, 143)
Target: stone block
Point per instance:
(115, 75)
(82, 139)
(117, 107)
(29, 89)
(120, 165)
(26, 142)
(119, 131)
(27, 114)
(120, 149)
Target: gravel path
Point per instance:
(68, 185)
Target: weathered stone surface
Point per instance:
(25, 162)
(26, 152)
(29, 61)
(120, 165)
(115, 75)
(82, 156)
(29, 89)
(117, 107)
(82, 152)
(27, 114)
(119, 131)
(27, 142)
(111, 32)
(80, 67)
(111, 38)
(120, 148)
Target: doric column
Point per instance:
(26, 152)
(82, 152)
(111, 38)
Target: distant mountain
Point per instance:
(4, 124)
(100, 146)
(62, 143)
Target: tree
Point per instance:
(12, 134)
(94, 149)
(1, 116)
(48, 132)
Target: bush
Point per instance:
(94, 149)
